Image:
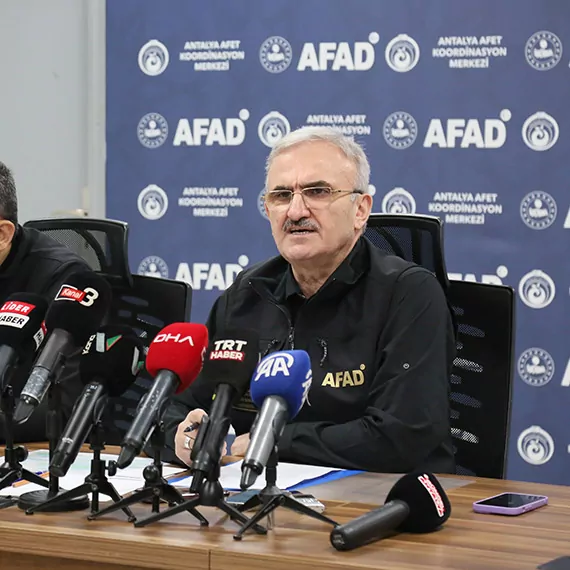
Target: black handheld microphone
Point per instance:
(21, 331)
(108, 366)
(76, 311)
(174, 359)
(416, 503)
(228, 367)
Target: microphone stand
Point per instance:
(12, 470)
(156, 487)
(95, 483)
(271, 497)
(210, 493)
(53, 428)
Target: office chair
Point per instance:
(481, 379)
(146, 304)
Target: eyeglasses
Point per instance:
(313, 196)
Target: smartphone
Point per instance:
(509, 504)
(240, 499)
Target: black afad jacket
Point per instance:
(381, 342)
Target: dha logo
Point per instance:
(344, 378)
(535, 445)
(536, 367)
(152, 202)
(209, 276)
(274, 364)
(398, 201)
(153, 58)
(153, 266)
(540, 131)
(538, 210)
(465, 133)
(490, 278)
(543, 50)
(537, 289)
(402, 53)
(275, 54)
(272, 128)
(400, 130)
(152, 130)
(208, 132)
(357, 57)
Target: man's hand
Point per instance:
(185, 441)
(239, 446)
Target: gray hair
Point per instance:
(351, 149)
(8, 198)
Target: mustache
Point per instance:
(302, 224)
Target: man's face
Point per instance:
(305, 231)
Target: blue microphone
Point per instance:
(279, 388)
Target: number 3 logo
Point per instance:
(90, 296)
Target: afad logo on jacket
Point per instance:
(344, 378)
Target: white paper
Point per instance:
(125, 481)
(288, 475)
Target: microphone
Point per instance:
(227, 368)
(174, 360)
(21, 331)
(279, 387)
(76, 311)
(108, 366)
(416, 503)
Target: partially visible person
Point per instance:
(33, 262)
(377, 328)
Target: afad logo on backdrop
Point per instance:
(200, 276)
(535, 445)
(276, 55)
(210, 131)
(496, 278)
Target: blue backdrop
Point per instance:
(462, 108)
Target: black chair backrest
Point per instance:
(102, 243)
(482, 377)
(413, 237)
(146, 304)
(481, 381)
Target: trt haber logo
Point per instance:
(228, 350)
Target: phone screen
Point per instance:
(511, 500)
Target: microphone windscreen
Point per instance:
(178, 347)
(428, 502)
(230, 359)
(21, 322)
(112, 356)
(287, 374)
(80, 305)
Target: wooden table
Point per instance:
(468, 540)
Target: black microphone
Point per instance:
(21, 331)
(416, 503)
(108, 366)
(76, 311)
(228, 368)
(174, 359)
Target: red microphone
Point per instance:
(174, 359)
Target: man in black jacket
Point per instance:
(32, 262)
(377, 328)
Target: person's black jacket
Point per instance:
(37, 263)
(381, 341)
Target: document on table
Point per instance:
(288, 475)
(125, 481)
